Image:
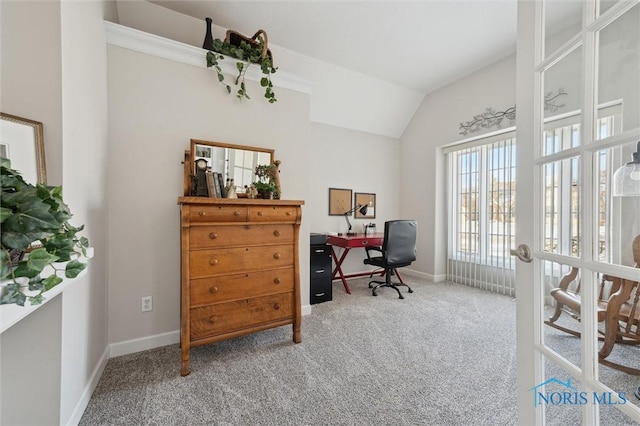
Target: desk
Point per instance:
(349, 242)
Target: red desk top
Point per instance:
(360, 240)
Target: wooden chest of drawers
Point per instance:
(239, 269)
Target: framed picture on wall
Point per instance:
(368, 199)
(339, 201)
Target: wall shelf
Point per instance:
(150, 44)
(11, 314)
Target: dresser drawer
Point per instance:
(227, 317)
(230, 235)
(273, 214)
(230, 287)
(219, 213)
(204, 263)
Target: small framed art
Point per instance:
(339, 201)
(368, 199)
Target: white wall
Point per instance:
(435, 124)
(30, 355)
(54, 71)
(358, 161)
(29, 89)
(84, 107)
(341, 97)
(155, 107)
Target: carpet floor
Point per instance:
(445, 355)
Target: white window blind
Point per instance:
(482, 213)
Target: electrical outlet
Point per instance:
(147, 303)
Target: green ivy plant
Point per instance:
(248, 55)
(34, 220)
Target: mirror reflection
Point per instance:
(237, 162)
(22, 142)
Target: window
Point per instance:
(483, 183)
(482, 214)
(482, 201)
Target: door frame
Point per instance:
(530, 67)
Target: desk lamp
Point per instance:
(363, 211)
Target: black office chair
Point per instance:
(398, 250)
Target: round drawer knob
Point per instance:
(277, 280)
(236, 213)
(277, 256)
(260, 213)
(202, 213)
(213, 235)
(288, 213)
(213, 290)
(213, 319)
(276, 233)
(213, 261)
(276, 306)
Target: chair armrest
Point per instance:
(614, 303)
(372, 248)
(621, 295)
(567, 279)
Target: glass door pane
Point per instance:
(562, 103)
(563, 21)
(618, 217)
(562, 207)
(562, 326)
(618, 74)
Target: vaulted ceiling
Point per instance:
(420, 45)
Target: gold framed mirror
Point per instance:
(22, 142)
(237, 162)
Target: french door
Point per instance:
(578, 121)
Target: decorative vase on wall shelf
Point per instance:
(208, 38)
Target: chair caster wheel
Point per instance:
(410, 291)
(401, 297)
(375, 294)
(370, 286)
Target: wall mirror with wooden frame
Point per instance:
(237, 162)
(22, 142)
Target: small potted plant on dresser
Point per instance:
(266, 184)
(266, 190)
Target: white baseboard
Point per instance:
(77, 413)
(144, 343)
(409, 271)
(429, 277)
(128, 347)
(306, 310)
(150, 342)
